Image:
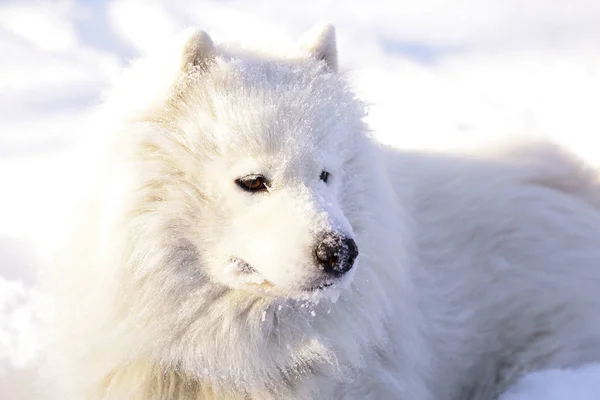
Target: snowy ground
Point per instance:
(439, 74)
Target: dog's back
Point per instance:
(509, 262)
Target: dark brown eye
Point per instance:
(324, 176)
(253, 183)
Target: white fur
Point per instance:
(473, 268)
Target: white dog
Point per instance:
(249, 240)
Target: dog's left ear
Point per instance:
(198, 52)
(319, 43)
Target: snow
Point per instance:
(440, 74)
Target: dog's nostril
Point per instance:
(352, 249)
(335, 254)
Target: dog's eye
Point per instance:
(324, 176)
(253, 183)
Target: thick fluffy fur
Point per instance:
(473, 268)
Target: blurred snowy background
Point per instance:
(438, 73)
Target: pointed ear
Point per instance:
(319, 42)
(198, 52)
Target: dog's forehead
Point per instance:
(277, 106)
(275, 114)
(286, 94)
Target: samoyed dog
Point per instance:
(248, 239)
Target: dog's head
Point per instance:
(267, 166)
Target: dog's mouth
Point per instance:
(320, 287)
(244, 267)
(241, 273)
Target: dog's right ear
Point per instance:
(198, 52)
(320, 44)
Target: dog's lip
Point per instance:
(249, 275)
(321, 286)
(245, 267)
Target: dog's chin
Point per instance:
(242, 276)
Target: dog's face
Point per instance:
(278, 181)
(279, 226)
(272, 147)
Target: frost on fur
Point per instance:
(392, 276)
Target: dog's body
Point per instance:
(199, 270)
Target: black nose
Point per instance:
(335, 254)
